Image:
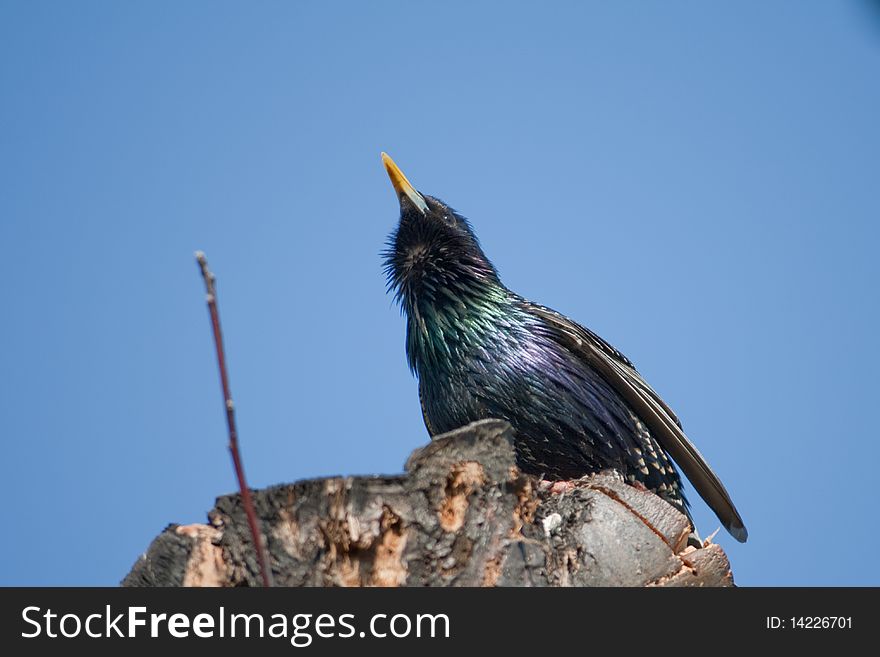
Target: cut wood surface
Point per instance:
(462, 514)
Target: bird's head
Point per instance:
(433, 255)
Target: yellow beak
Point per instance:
(403, 186)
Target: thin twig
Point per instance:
(262, 556)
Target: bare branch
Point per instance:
(262, 555)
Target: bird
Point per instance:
(576, 404)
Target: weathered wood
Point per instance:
(461, 515)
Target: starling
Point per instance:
(577, 405)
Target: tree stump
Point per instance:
(462, 514)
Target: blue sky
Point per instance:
(698, 184)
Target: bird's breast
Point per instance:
(478, 379)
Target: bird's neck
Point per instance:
(447, 323)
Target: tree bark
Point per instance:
(461, 515)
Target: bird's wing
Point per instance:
(620, 360)
(620, 373)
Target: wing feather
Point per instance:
(620, 373)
